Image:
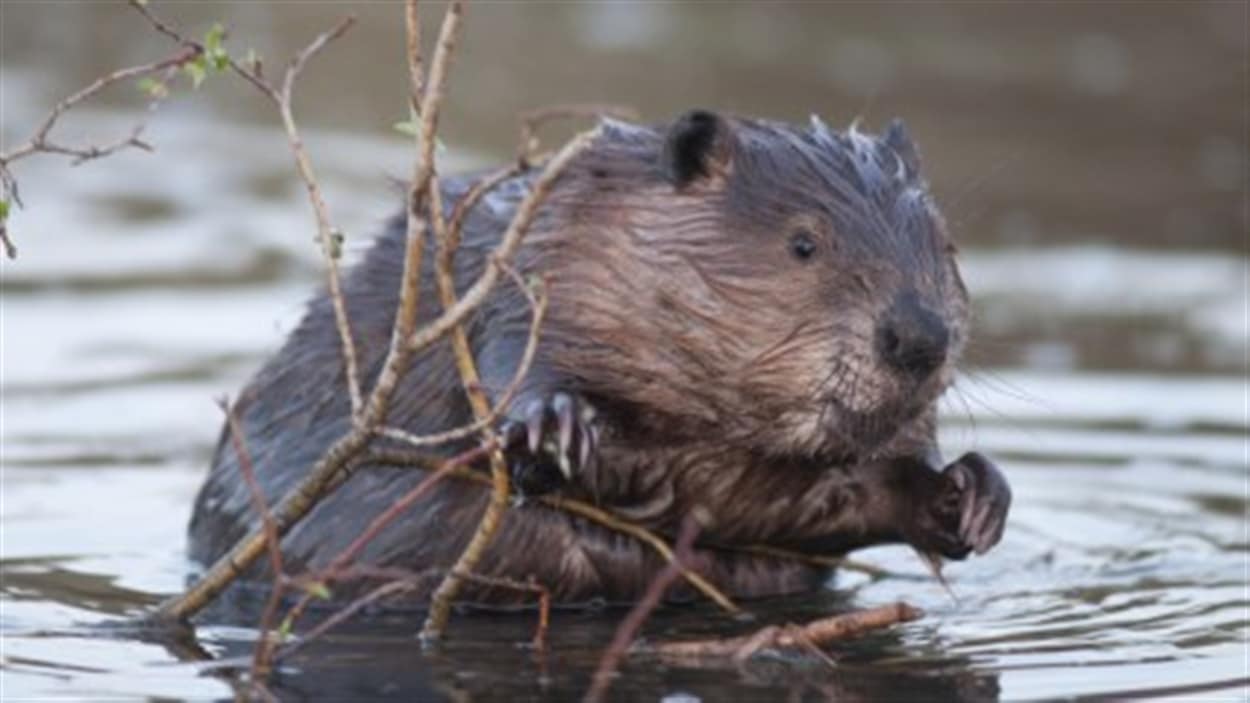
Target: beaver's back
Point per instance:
(297, 405)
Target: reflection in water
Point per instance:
(1107, 378)
(382, 659)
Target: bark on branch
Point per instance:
(789, 637)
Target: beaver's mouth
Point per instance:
(853, 433)
(856, 433)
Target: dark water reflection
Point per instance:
(1090, 157)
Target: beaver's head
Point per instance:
(795, 286)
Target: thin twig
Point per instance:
(826, 561)
(308, 52)
(805, 641)
(400, 351)
(328, 235)
(818, 632)
(401, 581)
(10, 249)
(475, 194)
(538, 304)
(403, 457)
(646, 536)
(627, 631)
(933, 562)
(264, 644)
(344, 614)
(530, 122)
(448, 242)
(536, 297)
(338, 569)
(250, 75)
(544, 617)
(40, 142)
(512, 237)
(416, 72)
(141, 7)
(351, 551)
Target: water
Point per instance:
(1107, 375)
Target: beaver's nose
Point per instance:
(911, 337)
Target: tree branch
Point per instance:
(774, 637)
(330, 237)
(41, 143)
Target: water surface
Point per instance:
(1103, 240)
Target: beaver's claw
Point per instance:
(966, 512)
(984, 499)
(555, 438)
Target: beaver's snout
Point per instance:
(912, 338)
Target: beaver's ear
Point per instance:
(698, 144)
(900, 143)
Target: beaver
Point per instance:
(746, 318)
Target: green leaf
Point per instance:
(409, 128)
(212, 38)
(153, 88)
(336, 243)
(4, 210)
(319, 590)
(216, 54)
(196, 70)
(284, 629)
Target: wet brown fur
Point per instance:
(725, 374)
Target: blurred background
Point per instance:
(1091, 159)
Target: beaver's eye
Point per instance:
(802, 245)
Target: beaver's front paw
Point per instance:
(965, 512)
(984, 499)
(554, 439)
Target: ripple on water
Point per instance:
(1123, 568)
